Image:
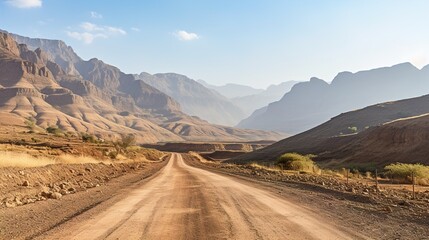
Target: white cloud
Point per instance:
(85, 37)
(25, 3)
(96, 15)
(90, 27)
(135, 29)
(114, 30)
(91, 31)
(186, 36)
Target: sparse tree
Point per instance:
(126, 141)
(31, 124)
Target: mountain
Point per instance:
(373, 136)
(309, 104)
(232, 90)
(47, 81)
(195, 99)
(271, 94)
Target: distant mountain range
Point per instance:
(363, 139)
(249, 99)
(232, 90)
(195, 99)
(309, 104)
(47, 81)
(273, 93)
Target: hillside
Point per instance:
(378, 134)
(403, 140)
(46, 81)
(311, 103)
(195, 99)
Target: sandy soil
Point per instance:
(91, 189)
(183, 202)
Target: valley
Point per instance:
(214, 120)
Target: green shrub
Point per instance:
(126, 141)
(86, 137)
(31, 124)
(405, 171)
(353, 129)
(54, 130)
(297, 162)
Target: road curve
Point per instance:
(184, 202)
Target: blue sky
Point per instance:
(250, 42)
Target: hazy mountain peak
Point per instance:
(317, 80)
(195, 98)
(232, 90)
(311, 103)
(405, 65)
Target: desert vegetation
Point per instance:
(297, 162)
(122, 145)
(402, 172)
(55, 130)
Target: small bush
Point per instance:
(86, 137)
(297, 162)
(368, 175)
(352, 129)
(113, 154)
(404, 171)
(54, 130)
(31, 124)
(126, 141)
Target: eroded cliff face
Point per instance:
(47, 81)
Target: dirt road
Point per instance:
(183, 202)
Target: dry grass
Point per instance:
(261, 167)
(12, 159)
(70, 159)
(24, 160)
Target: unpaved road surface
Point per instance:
(184, 202)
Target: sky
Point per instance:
(250, 42)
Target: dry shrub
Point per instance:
(297, 162)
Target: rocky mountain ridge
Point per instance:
(309, 104)
(57, 88)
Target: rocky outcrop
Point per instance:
(46, 80)
(56, 51)
(148, 97)
(7, 43)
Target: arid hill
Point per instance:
(369, 137)
(309, 104)
(46, 82)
